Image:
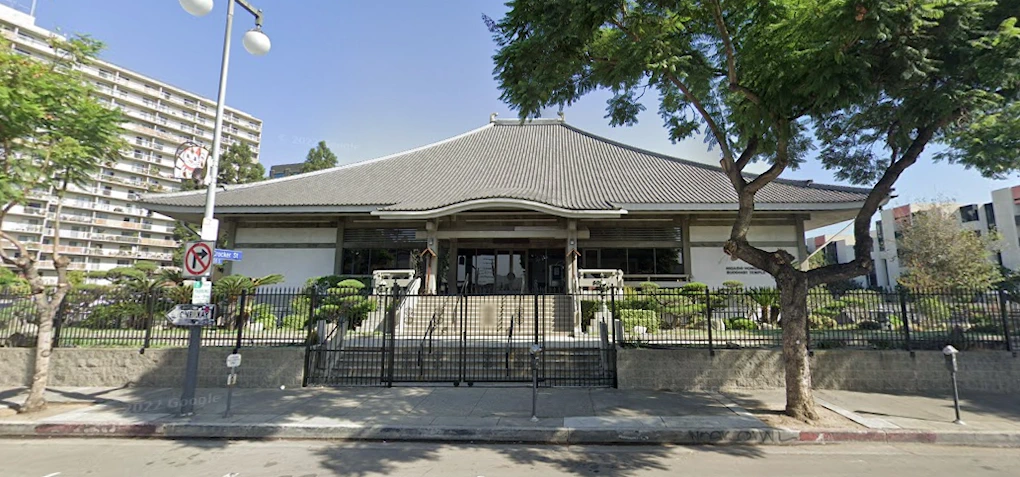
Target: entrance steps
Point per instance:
(468, 364)
(478, 315)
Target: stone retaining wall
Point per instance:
(864, 370)
(260, 367)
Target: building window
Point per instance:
(880, 235)
(635, 261)
(364, 261)
(969, 213)
(990, 215)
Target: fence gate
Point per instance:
(464, 339)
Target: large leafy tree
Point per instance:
(319, 158)
(53, 134)
(938, 253)
(870, 83)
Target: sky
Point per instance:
(375, 78)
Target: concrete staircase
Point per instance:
(470, 364)
(479, 315)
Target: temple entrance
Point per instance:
(518, 269)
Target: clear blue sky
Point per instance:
(374, 78)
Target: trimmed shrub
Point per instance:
(869, 325)
(294, 322)
(647, 318)
(694, 287)
(733, 285)
(989, 328)
(262, 313)
(638, 303)
(649, 287)
(820, 322)
(741, 324)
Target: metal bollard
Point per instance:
(950, 353)
(536, 350)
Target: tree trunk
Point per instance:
(800, 402)
(43, 349)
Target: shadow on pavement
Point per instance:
(368, 458)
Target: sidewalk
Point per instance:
(493, 414)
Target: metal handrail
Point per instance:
(509, 339)
(433, 322)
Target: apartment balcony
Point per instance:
(13, 227)
(75, 234)
(160, 243)
(163, 256)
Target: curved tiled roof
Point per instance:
(543, 161)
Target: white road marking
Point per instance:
(55, 474)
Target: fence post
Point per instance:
(308, 336)
(708, 320)
(391, 328)
(150, 303)
(58, 321)
(617, 339)
(240, 320)
(906, 321)
(1004, 314)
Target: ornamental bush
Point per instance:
(647, 318)
(741, 324)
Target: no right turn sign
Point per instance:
(198, 259)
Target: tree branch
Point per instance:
(17, 244)
(748, 154)
(862, 262)
(782, 159)
(712, 125)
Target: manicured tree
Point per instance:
(53, 134)
(319, 158)
(875, 81)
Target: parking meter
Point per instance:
(536, 349)
(950, 352)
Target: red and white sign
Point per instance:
(198, 259)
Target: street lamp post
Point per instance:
(258, 44)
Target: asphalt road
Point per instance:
(159, 458)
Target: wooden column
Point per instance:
(432, 263)
(571, 273)
(338, 257)
(801, 246)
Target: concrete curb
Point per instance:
(540, 435)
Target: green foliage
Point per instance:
(934, 309)
(55, 133)
(821, 322)
(295, 322)
(119, 314)
(346, 300)
(20, 310)
(142, 277)
(647, 318)
(649, 287)
(741, 324)
(12, 283)
(694, 287)
(236, 166)
(938, 253)
(263, 313)
(734, 285)
(318, 158)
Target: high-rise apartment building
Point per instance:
(101, 227)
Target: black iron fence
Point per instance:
(694, 317)
(869, 319)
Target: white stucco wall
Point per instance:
(295, 264)
(709, 265)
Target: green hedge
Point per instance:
(647, 318)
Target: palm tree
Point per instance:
(767, 300)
